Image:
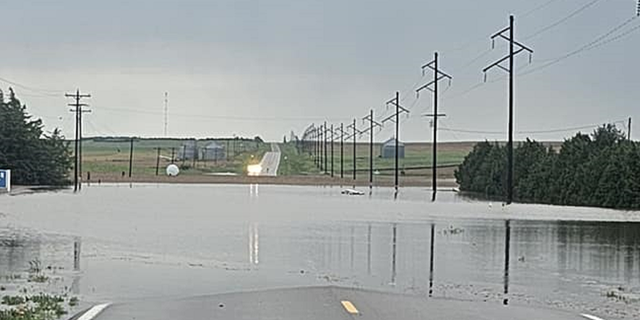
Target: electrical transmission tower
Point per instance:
(433, 87)
(341, 129)
(372, 124)
(510, 57)
(396, 118)
(321, 144)
(354, 135)
(325, 130)
(77, 109)
(332, 139)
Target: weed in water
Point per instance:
(13, 300)
(35, 266)
(38, 278)
(73, 301)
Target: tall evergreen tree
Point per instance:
(34, 157)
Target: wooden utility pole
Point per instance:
(77, 109)
(331, 140)
(355, 141)
(396, 118)
(372, 124)
(324, 135)
(510, 70)
(341, 150)
(131, 157)
(437, 76)
(158, 160)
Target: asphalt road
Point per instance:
(323, 303)
(271, 161)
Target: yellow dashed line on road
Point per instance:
(349, 307)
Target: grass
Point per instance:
(38, 278)
(418, 156)
(13, 300)
(37, 307)
(110, 157)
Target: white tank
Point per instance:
(172, 170)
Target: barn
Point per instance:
(388, 149)
(213, 152)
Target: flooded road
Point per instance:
(116, 243)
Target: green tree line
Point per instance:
(34, 157)
(601, 170)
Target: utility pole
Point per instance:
(184, 153)
(629, 124)
(314, 140)
(166, 108)
(355, 140)
(77, 108)
(131, 157)
(324, 136)
(437, 76)
(341, 150)
(510, 70)
(331, 140)
(173, 154)
(372, 124)
(158, 160)
(80, 149)
(399, 109)
(322, 148)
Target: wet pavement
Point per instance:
(119, 243)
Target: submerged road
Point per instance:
(322, 303)
(271, 161)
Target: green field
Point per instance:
(110, 156)
(108, 159)
(418, 156)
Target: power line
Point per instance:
(594, 43)
(43, 92)
(557, 130)
(562, 20)
(535, 9)
(235, 118)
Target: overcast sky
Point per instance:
(267, 67)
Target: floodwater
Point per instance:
(121, 242)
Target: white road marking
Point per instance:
(94, 311)
(590, 317)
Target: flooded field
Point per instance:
(117, 243)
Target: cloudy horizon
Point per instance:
(266, 68)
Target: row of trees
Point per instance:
(35, 158)
(601, 169)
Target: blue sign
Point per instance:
(5, 179)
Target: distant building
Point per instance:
(213, 152)
(388, 149)
(188, 150)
